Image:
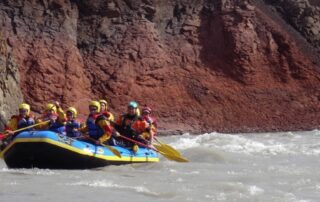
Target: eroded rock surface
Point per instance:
(202, 65)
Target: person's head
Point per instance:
(50, 109)
(132, 108)
(94, 107)
(24, 109)
(146, 111)
(103, 105)
(71, 113)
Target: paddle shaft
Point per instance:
(31, 126)
(166, 155)
(138, 143)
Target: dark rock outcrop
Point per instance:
(303, 15)
(203, 65)
(10, 93)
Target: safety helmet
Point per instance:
(146, 109)
(51, 106)
(73, 111)
(133, 104)
(25, 106)
(103, 101)
(95, 104)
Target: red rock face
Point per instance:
(202, 66)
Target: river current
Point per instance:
(282, 167)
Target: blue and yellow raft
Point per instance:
(46, 149)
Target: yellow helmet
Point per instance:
(103, 101)
(51, 106)
(95, 104)
(25, 106)
(73, 111)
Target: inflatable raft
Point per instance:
(46, 149)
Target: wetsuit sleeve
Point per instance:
(111, 117)
(61, 115)
(105, 125)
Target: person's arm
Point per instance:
(12, 125)
(105, 125)
(61, 114)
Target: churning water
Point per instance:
(240, 167)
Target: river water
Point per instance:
(223, 167)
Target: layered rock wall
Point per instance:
(10, 93)
(202, 65)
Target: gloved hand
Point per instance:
(116, 134)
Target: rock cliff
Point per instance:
(10, 93)
(225, 65)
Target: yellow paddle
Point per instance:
(167, 148)
(31, 126)
(159, 150)
(113, 150)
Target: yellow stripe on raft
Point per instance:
(80, 151)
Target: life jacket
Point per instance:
(57, 126)
(108, 115)
(151, 121)
(94, 130)
(17, 122)
(25, 122)
(70, 125)
(126, 124)
(131, 126)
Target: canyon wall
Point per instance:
(219, 65)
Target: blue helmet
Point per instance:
(133, 104)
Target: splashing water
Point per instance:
(223, 167)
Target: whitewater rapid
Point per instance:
(223, 167)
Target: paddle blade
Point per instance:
(164, 149)
(174, 158)
(168, 149)
(113, 150)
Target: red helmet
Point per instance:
(146, 109)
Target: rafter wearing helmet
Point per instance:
(72, 124)
(104, 110)
(131, 125)
(21, 120)
(97, 125)
(54, 113)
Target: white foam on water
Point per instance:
(231, 143)
(286, 143)
(254, 190)
(34, 171)
(109, 184)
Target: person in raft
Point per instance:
(72, 125)
(151, 130)
(97, 125)
(22, 120)
(131, 125)
(56, 116)
(104, 110)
